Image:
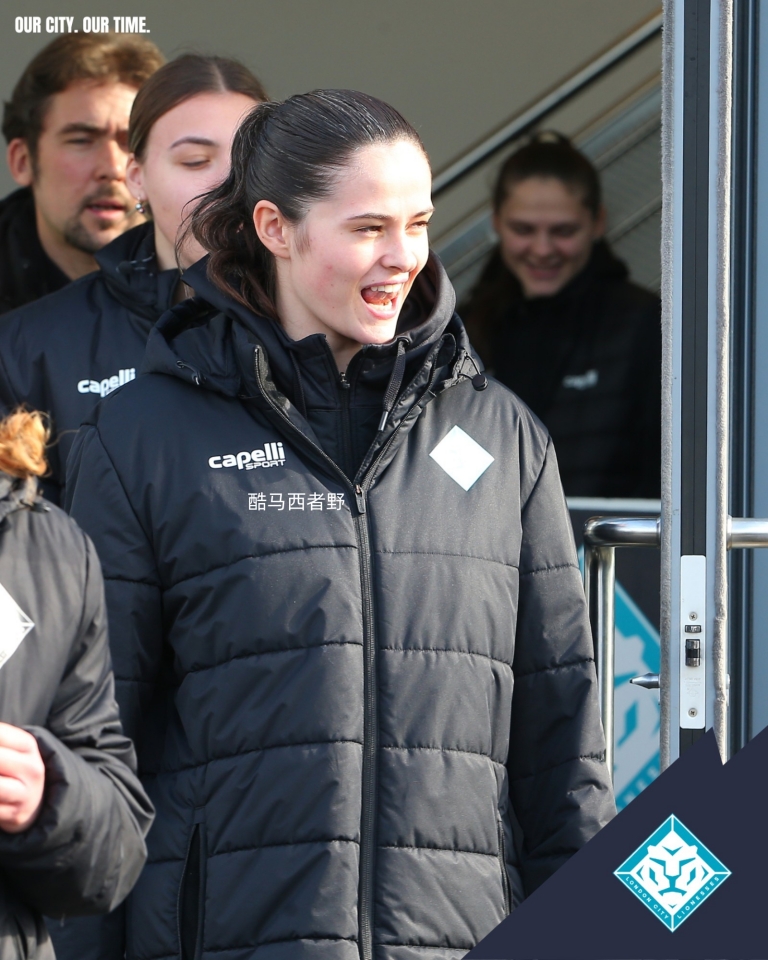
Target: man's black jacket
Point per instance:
(26, 271)
(353, 658)
(63, 353)
(86, 848)
(587, 361)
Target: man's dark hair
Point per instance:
(291, 153)
(127, 59)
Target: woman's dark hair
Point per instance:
(549, 154)
(183, 78)
(546, 154)
(290, 153)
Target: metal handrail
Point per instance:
(602, 535)
(547, 104)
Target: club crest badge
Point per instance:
(672, 873)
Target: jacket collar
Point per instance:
(210, 341)
(16, 494)
(131, 273)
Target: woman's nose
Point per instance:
(401, 253)
(542, 245)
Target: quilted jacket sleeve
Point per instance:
(97, 500)
(559, 785)
(86, 848)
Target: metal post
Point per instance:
(601, 537)
(605, 652)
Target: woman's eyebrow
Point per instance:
(201, 141)
(386, 216)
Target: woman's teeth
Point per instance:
(381, 294)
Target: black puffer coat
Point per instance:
(86, 848)
(346, 692)
(26, 271)
(63, 353)
(588, 362)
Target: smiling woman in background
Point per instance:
(63, 353)
(555, 317)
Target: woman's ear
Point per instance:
(134, 179)
(271, 229)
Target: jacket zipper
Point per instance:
(370, 737)
(370, 725)
(345, 388)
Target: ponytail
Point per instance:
(23, 438)
(290, 153)
(222, 223)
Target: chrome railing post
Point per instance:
(606, 644)
(601, 537)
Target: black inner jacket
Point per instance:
(26, 271)
(587, 361)
(63, 353)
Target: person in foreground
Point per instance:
(73, 816)
(555, 317)
(348, 623)
(63, 353)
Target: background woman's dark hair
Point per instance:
(292, 154)
(550, 154)
(546, 154)
(183, 78)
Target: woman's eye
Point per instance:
(193, 164)
(371, 229)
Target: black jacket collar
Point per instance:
(131, 272)
(26, 271)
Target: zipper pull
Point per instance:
(344, 384)
(360, 498)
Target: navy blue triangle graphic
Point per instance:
(584, 912)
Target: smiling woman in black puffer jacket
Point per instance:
(348, 624)
(72, 814)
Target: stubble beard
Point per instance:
(77, 235)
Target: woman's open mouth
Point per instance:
(383, 297)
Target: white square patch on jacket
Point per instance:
(462, 458)
(14, 625)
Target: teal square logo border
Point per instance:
(672, 921)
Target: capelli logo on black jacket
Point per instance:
(273, 455)
(108, 384)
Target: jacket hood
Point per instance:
(210, 340)
(131, 273)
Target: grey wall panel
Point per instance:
(456, 69)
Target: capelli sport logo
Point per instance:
(272, 455)
(108, 384)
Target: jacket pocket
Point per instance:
(191, 902)
(503, 867)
